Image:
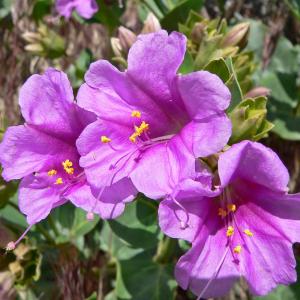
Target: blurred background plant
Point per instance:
(254, 46)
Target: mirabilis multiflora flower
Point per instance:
(150, 119)
(43, 153)
(85, 8)
(245, 227)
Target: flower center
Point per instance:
(233, 232)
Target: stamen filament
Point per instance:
(12, 245)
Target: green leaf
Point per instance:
(41, 8)
(188, 64)
(141, 278)
(81, 226)
(108, 14)
(218, 67)
(114, 245)
(180, 13)
(138, 225)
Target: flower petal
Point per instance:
(183, 221)
(203, 93)
(24, 150)
(106, 163)
(255, 163)
(161, 167)
(268, 248)
(207, 136)
(87, 8)
(153, 61)
(207, 267)
(47, 103)
(37, 198)
(110, 204)
(113, 96)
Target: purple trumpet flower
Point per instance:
(43, 153)
(246, 227)
(151, 121)
(85, 8)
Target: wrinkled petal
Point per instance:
(207, 267)
(47, 103)
(204, 94)
(37, 198)
(255, 163)
(267, 258)
(24, 150)
(106, 163)
(113, 96)
(207, 136)
(153, 61)
(162, 167)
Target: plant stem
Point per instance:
(52, 225)
(165, 250)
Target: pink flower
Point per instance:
(85, 8)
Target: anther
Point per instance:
(67, 164)
(222, 212)
(90, 216)
(231, 207)
(237, 249)
(105, 139)
(52, 172)
(230, 231)
(59, 181)
(248, 232)
(136, 114)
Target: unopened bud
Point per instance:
(151, 24)
(116, 46)
(10, 246)
(198, 32)
(90, 216)
(257, 92)
(31, 37)
(126, 37)
(237, 36)
(35, 48)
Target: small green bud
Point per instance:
(44, 42)
(249, 120)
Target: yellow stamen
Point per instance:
(59, 181)
(237, 249)
(136, 114)
(67, 164)
(52, 172)
(230, 231)
(248, 232)
(105, 139)
(222, 213)
(139, 130)
(231, 207)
